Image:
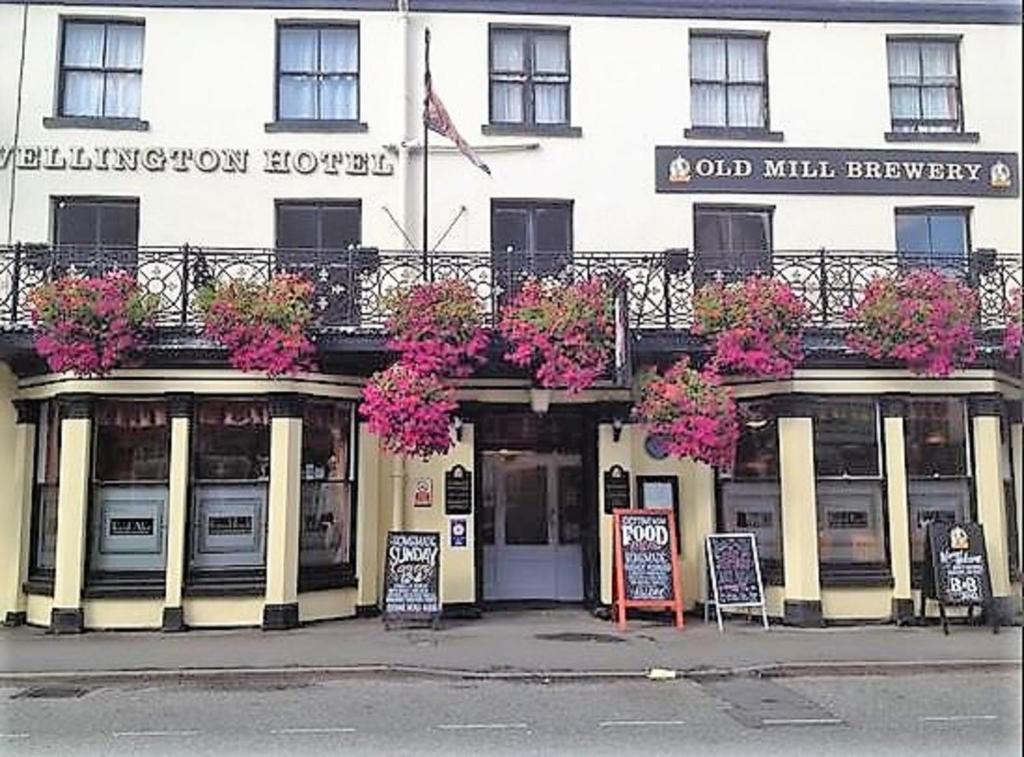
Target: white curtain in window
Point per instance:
(746, 60)
(297, 50)
(904, 102)
(707, 104)
(297, 97)
(506, 52)
(123, 96)
(707, 58)
(339, 98)
(904, 63)
(339, 50)
(124, 46)
(746, 106)
(83, 45)
(938, 102)
(938, 62)
(506, 103)
(83, 94)
(549, 103)
(550, 54)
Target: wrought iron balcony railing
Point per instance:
(351, 284)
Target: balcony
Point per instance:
(351, 284)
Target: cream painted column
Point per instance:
(802, 604)
(1017, 456)
(16, 511)
(368, 547)
(986, 412)
(72, 513)
(610, 452)
(281, 608)
(894, 410)
(179, 408)
(398, 493)
(697, 510)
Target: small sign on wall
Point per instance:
(423, 492)
(458, 529)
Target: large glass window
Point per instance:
(43, 554)
(751, 500)
(924, 85)
(231, 439)
(934, 237)
(731, 242)
(1010, 499)
(529, 76)
(101, 69)
(131, 461)
(327, 538)
(938, 467)
(848, 466)
(318, 72)
(728, 81)
(529, 237)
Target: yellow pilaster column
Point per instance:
(986, 411)
(368, 546)
(16, 509)
(398, 493)
(610, 452)
(281, 610)
(180, 411)
(1017, 456)
(799, 518)
(894, 411)
(697, 512)
(72, 513)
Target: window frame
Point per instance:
(725, 209)
(726, 128)
(919, 40)
(316, 204)
(40, 580)
(62, 69)
(930, 257)
(529, 32)
(318, 26)
(94, 201)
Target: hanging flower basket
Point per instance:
(564, 333)
(1014, 335)
(265, 326)
(438, 327)
(90, 324)
(410, 410)
(756, 326)
(691, 413)
(924, 318)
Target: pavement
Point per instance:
(558, 644)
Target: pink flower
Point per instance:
(411, 411)
(1014, 335)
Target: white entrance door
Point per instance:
(533, 507)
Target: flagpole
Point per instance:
(426, 145)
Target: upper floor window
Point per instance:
(96, 222)
(318, 225)
(318, 73)
(924, 85)
(728, 81)
(933, 236)
(101, 69)
(529, 76)
(731, 241)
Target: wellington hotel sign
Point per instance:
(829, 171)
(194, 159)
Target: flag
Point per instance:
(436, 118)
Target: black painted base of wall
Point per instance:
(804, 613)
(174, 620)
(66, 620)
(1002, 611)
(281, 617)
(461, 610)
(367, 611)
(903, 612)
(15, 619)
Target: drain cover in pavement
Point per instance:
(600, 638)
(50, 692)
(758, 703)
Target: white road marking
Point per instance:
(637, 723)
(801, 721)
(957, 718)
(14, 735)
(481, 726)
(291, 731)
(143, 734)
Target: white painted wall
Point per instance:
(208, 81)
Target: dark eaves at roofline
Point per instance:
(880, 11)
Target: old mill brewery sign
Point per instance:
(646, 563)
(831, 171)
(412, 571)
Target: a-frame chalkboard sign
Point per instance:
(646, 563)
(956, 571)
(735, 574)
(412, 570)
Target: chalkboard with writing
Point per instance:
(735, 573)
(956, 567)
(412, 571)
(646, 562)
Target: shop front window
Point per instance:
(751, 501)
(1009, 499)
(128, 513)
(44, 494)
(938, 469)
(231, 470)
(327, 538)
(848, 468)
